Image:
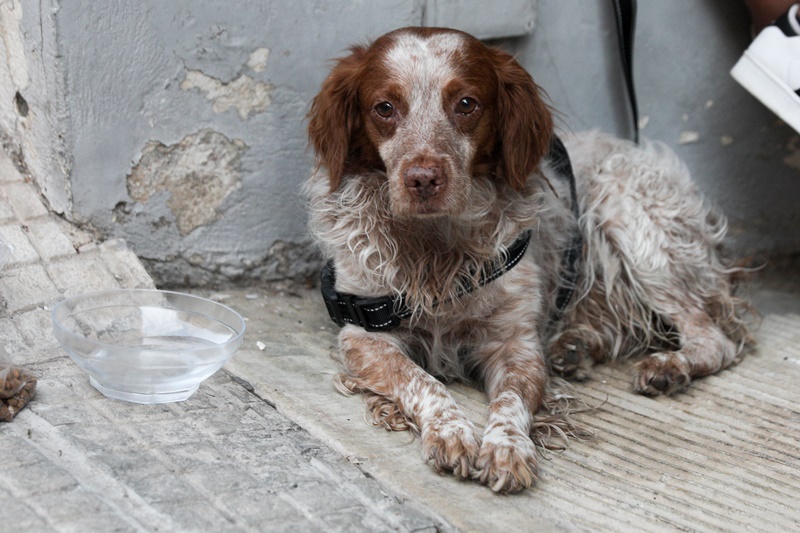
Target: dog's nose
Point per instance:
(424, 181)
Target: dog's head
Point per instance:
(434, 109)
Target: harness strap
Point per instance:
(384, 313)
(570, 262)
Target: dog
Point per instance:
(435, 161)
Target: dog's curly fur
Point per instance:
(432, 151)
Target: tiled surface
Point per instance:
(223, 460)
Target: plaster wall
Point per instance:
(179, 126)
(188, 134)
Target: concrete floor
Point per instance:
(724, 456)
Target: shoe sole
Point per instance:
(769, 89)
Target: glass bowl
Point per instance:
(147, 346)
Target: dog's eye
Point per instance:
(466, 105)
(384, 110)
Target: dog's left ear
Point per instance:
(524, 120)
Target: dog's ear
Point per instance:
(334, 117)
(525, 123)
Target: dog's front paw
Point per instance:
(451, 446)
(507, 462)
(662, 373)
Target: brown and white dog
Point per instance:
(433, 160)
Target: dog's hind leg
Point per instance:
(704, 349)
(653, 242)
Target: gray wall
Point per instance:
(187, 134)
(179, 125)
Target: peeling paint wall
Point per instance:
(244, 93)
(179, 126)
(188, 135)
(13, 45)
(198, 173)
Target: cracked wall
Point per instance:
(187, 126)
(199, 172)
(179, 126)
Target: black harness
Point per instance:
(384, 313)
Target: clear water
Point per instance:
(158, 365)
(174, 342)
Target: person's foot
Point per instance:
(770, 67)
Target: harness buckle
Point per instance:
(372, 314)
(329, 294)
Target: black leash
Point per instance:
(571, 260)
(625, 11)
(384, 313)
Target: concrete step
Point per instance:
(721, 457)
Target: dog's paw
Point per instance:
(569, 358)
(451, 446)
(507, 462)
(662, 373)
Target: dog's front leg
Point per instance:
(376, 363)
(515, 376)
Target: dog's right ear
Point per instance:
(334, 117)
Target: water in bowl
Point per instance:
(164, 368)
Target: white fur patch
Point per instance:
(415, 61)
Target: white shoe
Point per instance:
(770, 67)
